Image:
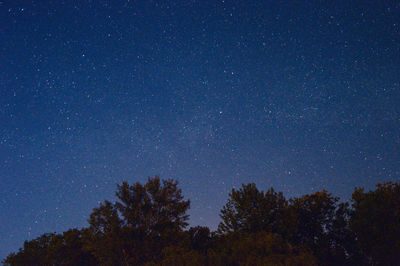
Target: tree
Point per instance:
(321, 223)
(67, 249)
(105, 236)
(376, 223)
(53, 249)
(34, 252)
(251, 210)
(134, 230)
(154, 207)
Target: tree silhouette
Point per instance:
(321, 224)
(250, 210)
(53, 249)
(146, 226)
(146, 219)
(376, 223)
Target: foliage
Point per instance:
(53, 249)
(135, 229)
(147, 226)
(259, 248)
(321, 224)
(250, 210)
(376, 223)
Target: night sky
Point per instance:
(297, 95)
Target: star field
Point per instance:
(300, 96)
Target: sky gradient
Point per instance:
(297, 95)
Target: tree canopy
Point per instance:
(147, 225)
(376, 223)
(146, 219)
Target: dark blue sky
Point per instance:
(298, 95)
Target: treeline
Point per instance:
(147, 226)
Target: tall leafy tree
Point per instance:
(105, 236)
(154, 207)
(376, 223)
(145, 219)
(321, 223)
(251, 210)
